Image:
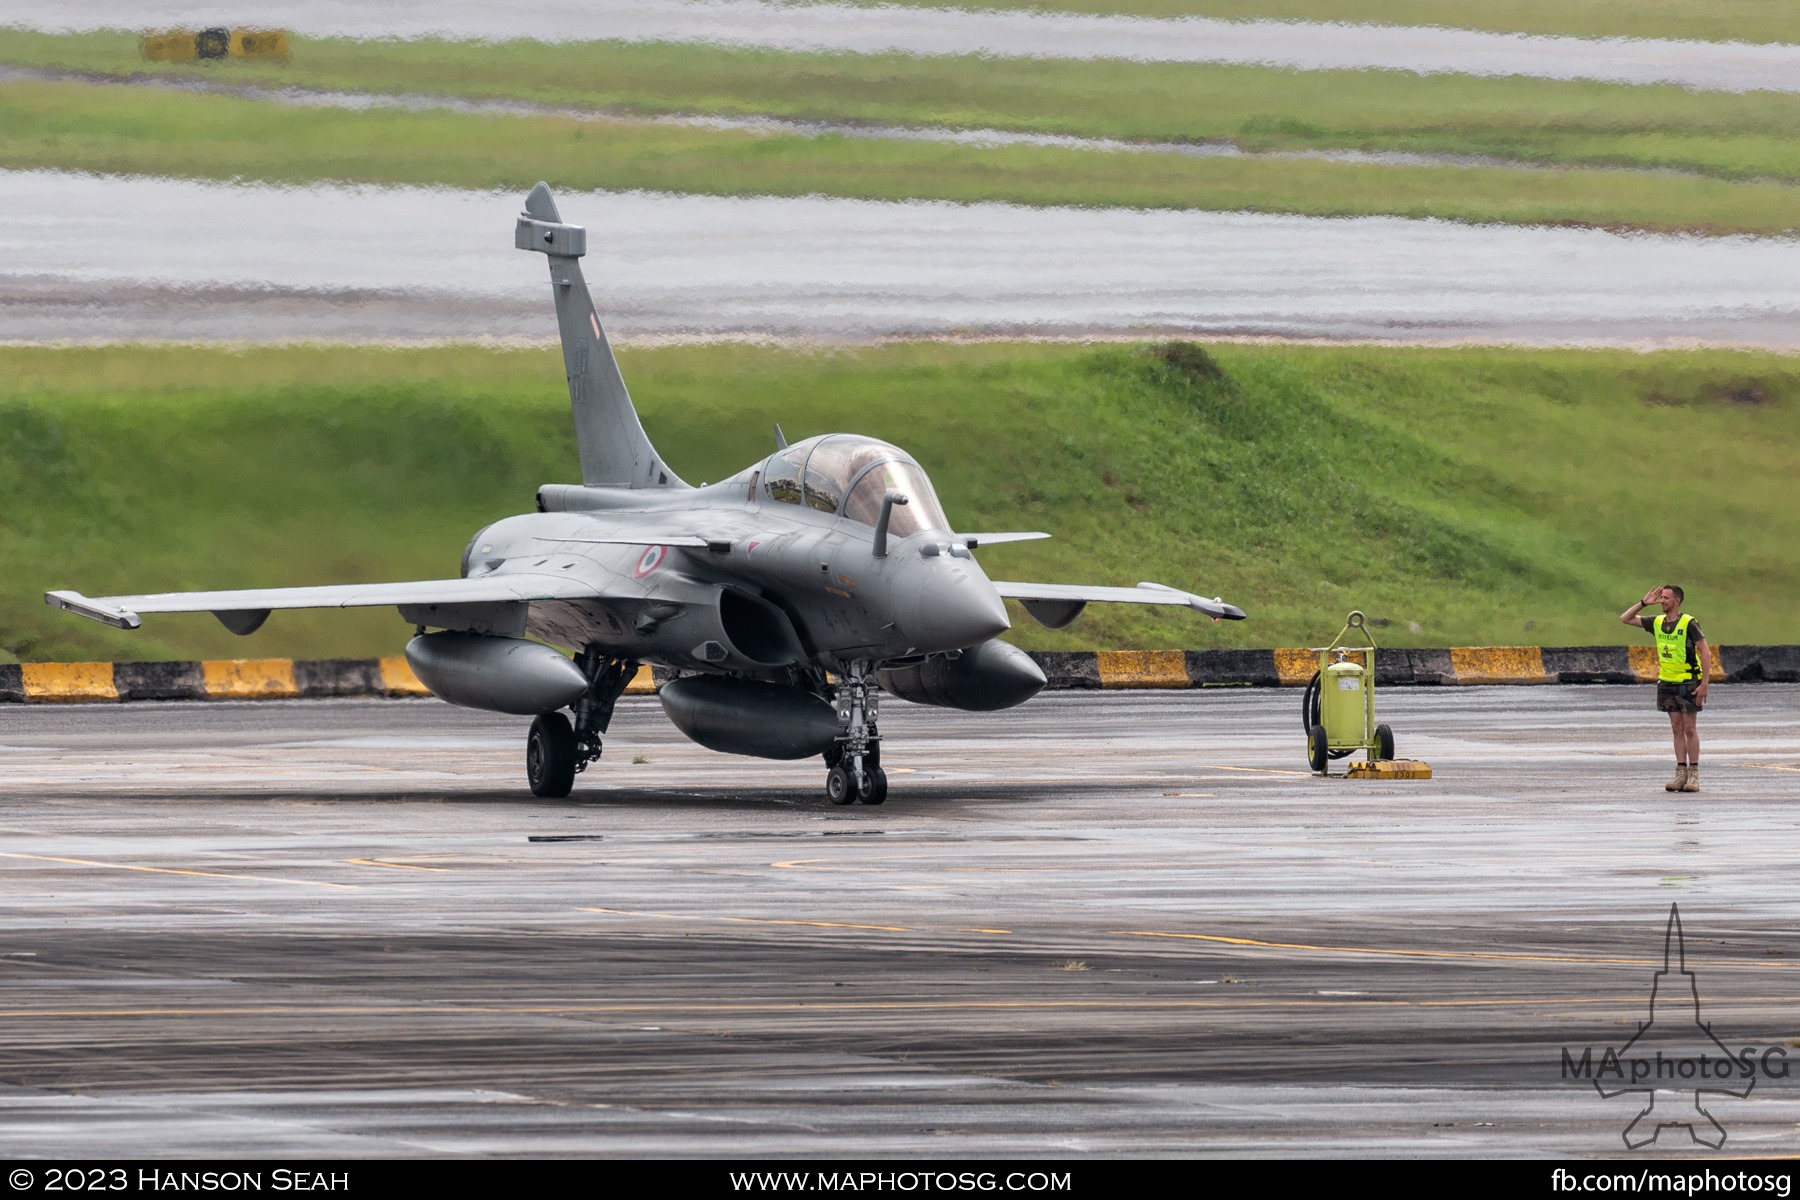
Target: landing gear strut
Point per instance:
(855, 760)
(556, 752)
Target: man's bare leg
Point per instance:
(1679, 736)
(1690, 729)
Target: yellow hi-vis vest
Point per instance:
(1671, 651)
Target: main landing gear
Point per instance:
(555, 750)
(855, 760)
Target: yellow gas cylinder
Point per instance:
(1343, 705)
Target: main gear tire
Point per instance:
(550, 755)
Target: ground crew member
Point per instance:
(1684, 661)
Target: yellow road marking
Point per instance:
(1222, 939)
(625, 912)
(1262, 945)
(370, 862)
(88, 862)
(458, 1010)
(1768, 767)
(811, 864)
(1255, 770)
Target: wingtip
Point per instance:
(81, 606)
(541, 205)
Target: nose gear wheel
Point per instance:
(855, 760)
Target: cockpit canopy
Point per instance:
(849, 475)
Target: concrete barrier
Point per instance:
(282, 678)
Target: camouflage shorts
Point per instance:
(1677, 697)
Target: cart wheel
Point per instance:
(1318, 750)
(1384, 743)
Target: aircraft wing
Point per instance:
(500, 588)
(1056, 604)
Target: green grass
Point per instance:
(119, 129)
(1464, 496)
(1721, 20)
(1541, 121)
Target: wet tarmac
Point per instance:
(1112, 923)
(108, 258)
(874, 29)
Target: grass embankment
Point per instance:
(1463, 497)
(1734, 145)
(1723, 20)
(118, 129)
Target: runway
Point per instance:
(1100, 924)
(108, 258)
(906, 29)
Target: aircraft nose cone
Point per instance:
(961, 607)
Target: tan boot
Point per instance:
(1692, 782)
(1679, 783)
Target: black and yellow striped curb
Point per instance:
(234, 679)
(286, 678)
(1457, 665)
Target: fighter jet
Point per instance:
(783, 601)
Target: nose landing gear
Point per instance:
(855, 761)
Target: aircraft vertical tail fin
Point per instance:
(615, 451)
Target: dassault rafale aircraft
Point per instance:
(784, 599)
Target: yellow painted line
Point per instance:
(88, 862)
(826, 864)
(1294, 667)
(1766, 767)
(1498, 664)
(250, 679)
(397, 677)
(370, 862)
(818, 924)
(625, 912)
(459, 1010)
(1142, 669)
(1642, 660)
(1254, 770)
(642, 684)
(984, 931)
(1478, 954)
(64, 682)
